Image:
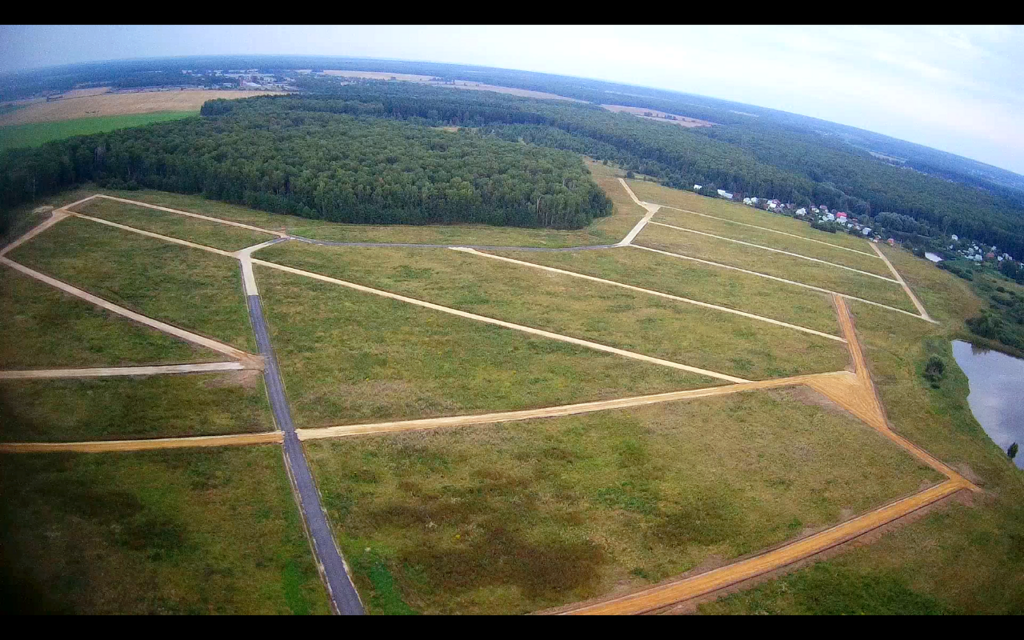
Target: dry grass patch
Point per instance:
(116, 104)
(520, 517)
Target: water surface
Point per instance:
(997, 393)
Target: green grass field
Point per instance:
(161, 532)
(602, 313)
(123, 408)
(43, 328)
(210, 234)
(520, 517)
(37, 133)
(653, 192)
(732, 289)
(962, 558)
(350, 357)
(193, 289)
(870, 263)
(774, 264)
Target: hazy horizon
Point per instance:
(949, 88)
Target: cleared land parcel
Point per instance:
(193, 289)
(515, 518)
(601, 313)
(350, 357)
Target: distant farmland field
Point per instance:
(37, 133)
(118, 104)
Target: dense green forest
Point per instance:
(284, 156)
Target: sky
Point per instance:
(954, 88)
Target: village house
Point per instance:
(725, 194)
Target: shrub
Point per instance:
(935, 370)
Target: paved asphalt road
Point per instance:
(342, 592)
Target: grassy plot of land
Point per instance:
(947, 298)
(204, 232)
(653, 192)
(123, 408)
(732, 289)
(177, 531)
(190, 288)
(37, 133)
(870, 263)
(570, 306)
(519, 517)
(350, 357)
(962, 558)
(774, 264)
(46, 328)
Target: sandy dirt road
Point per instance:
(899, 278)
(553, 412)
(673, 593)
(102, 446)
(105, 372)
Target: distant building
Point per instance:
(953, 237)
(696, 187)
(866, 231)
(725, 194)
(892, 243)
(801, 211)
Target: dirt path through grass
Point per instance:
(101, 372)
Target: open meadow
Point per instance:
(502, 429)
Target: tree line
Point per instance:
(279, 156)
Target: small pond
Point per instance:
(997, 393)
